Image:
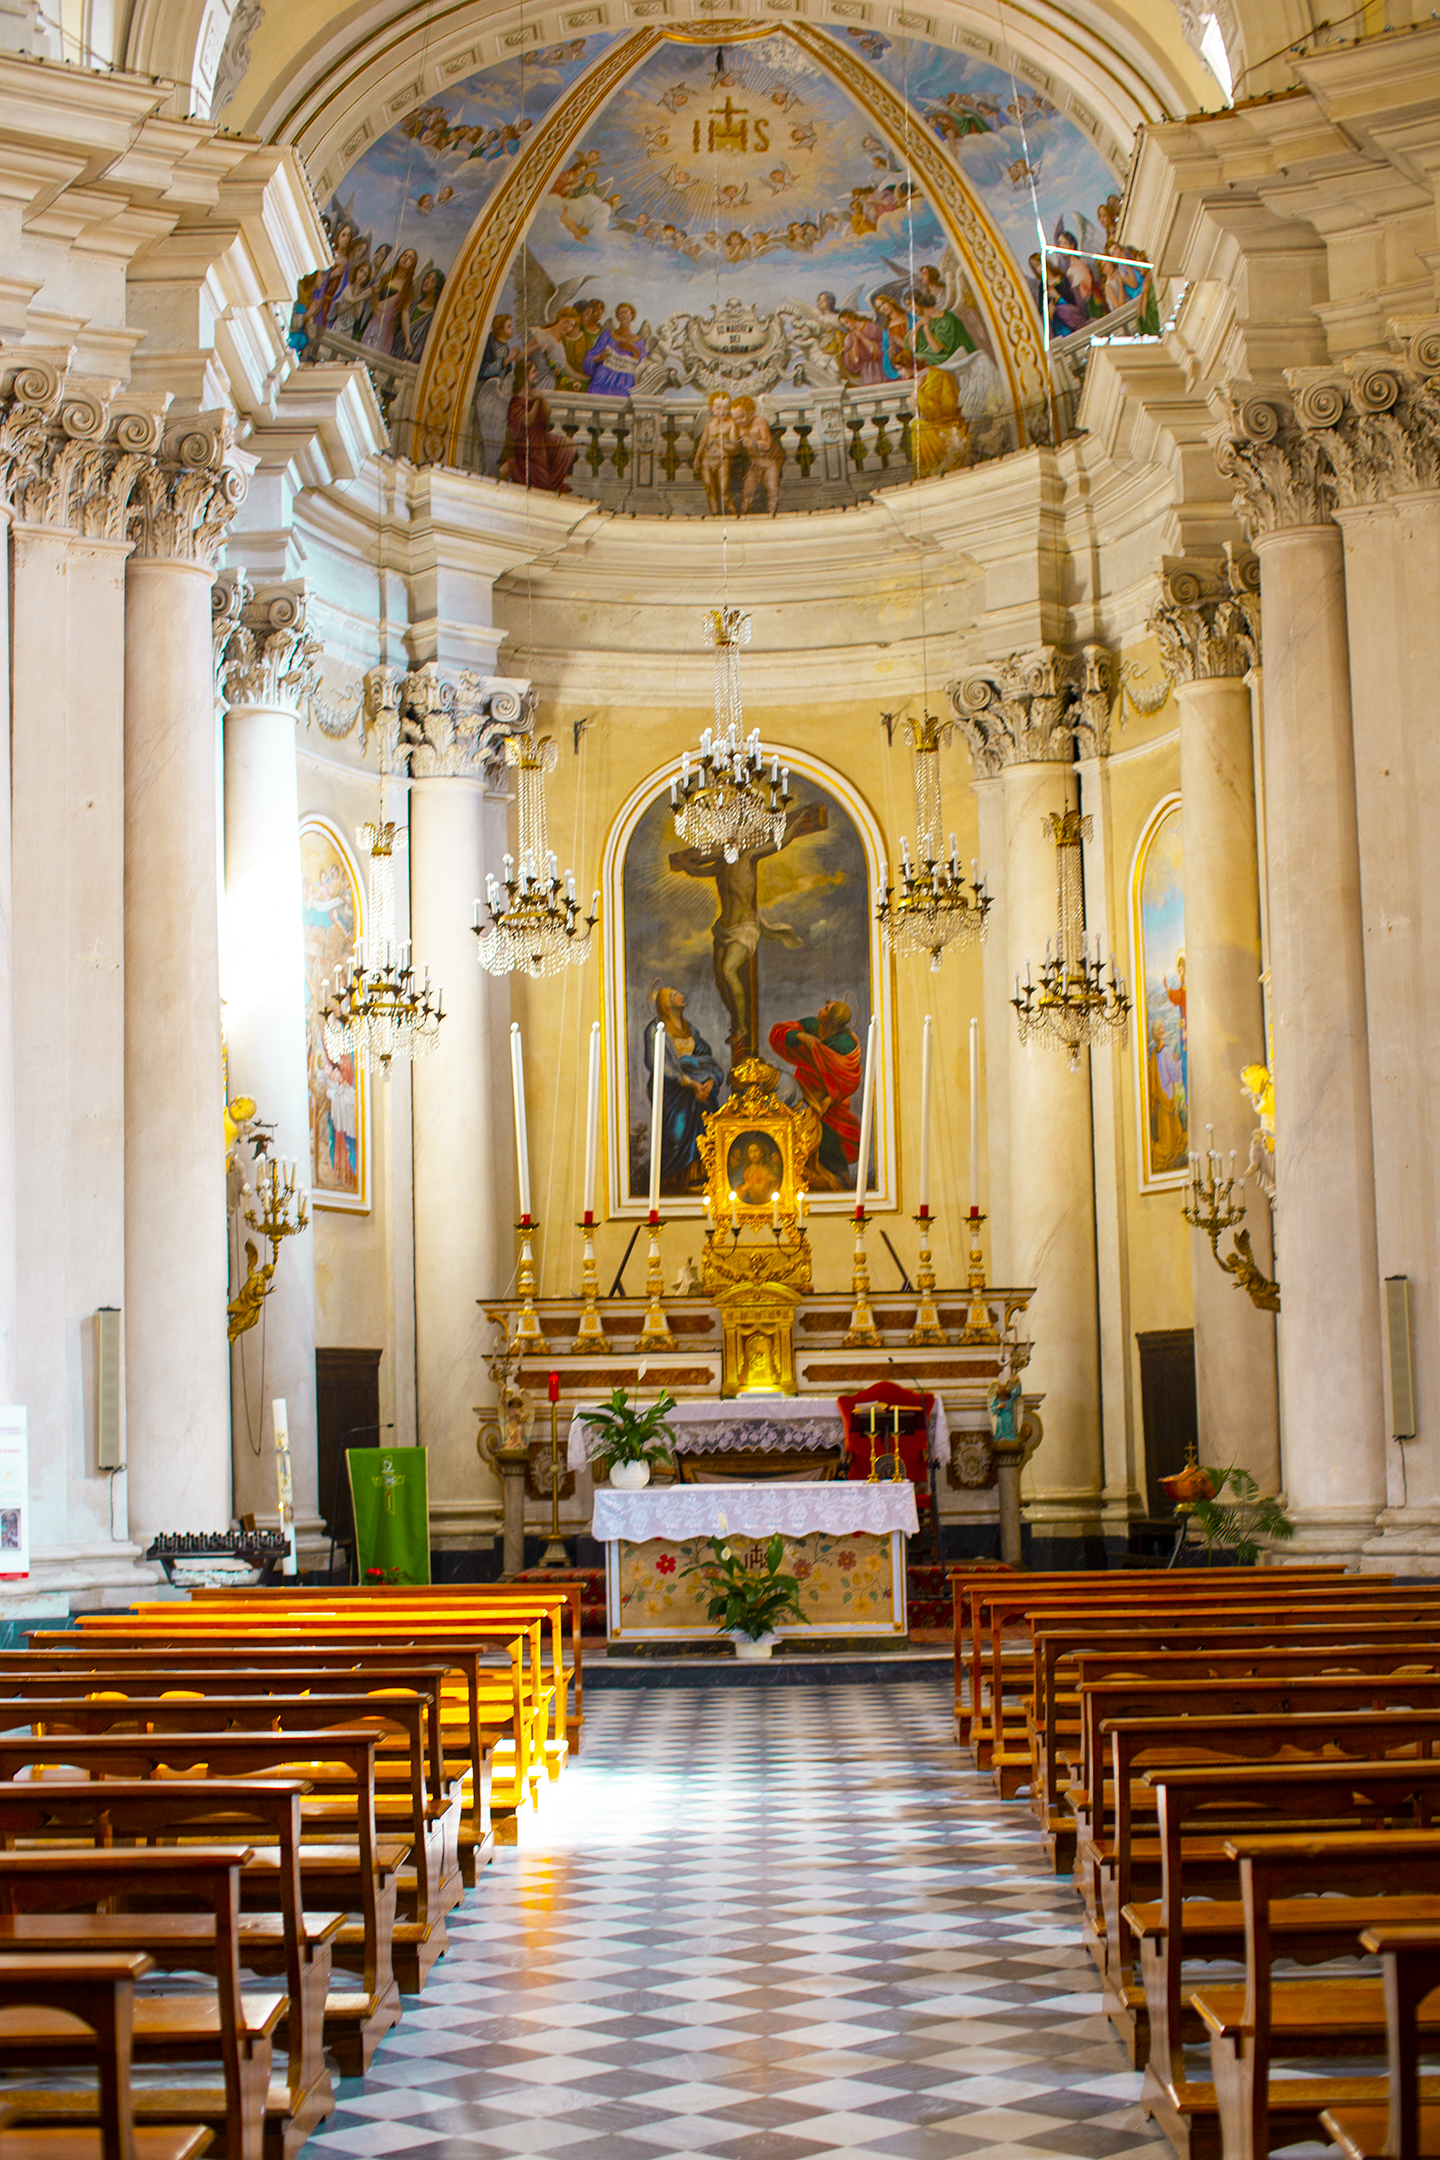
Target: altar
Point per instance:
(767, 1436)
(844, 1542)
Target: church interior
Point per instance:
(733, 868)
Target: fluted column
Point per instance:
(1208, 627)
(1024, 721)
(1379, 430)
(266, 666)
(177, 1374)
(464, 1149)
(1329, 1335)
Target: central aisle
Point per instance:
(753, 1922)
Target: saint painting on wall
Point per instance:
(771, 956)
(332, 915)
(1161, 1038)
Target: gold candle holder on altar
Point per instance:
(979, 1327)
(527, 1333)
(655, 1334)
(862, 1333)
(590, 1334)
(927, 1329)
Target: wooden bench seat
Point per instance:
(1406, 2125)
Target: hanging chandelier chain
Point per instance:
(1077, 1002)
(930, 910)
(723, 800)
(535, 925)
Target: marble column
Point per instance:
(997, 1033)
(1331, 1397)
(464, 1152)
(1024, 722)
(177, 1392)
(1208, 628)
(1380, 432)
(266, 664)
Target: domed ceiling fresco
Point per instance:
(772, 270)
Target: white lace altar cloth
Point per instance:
(769, 1424)
(753, 1511)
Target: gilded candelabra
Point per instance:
(590, 1334)
(655, 1334)
(1213, 1207)
(979, 1325)
(862, 1333)
(527, 1332)
(283, 1212)
(927, 1330)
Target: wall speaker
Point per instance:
(108, 1452)
(1402, 1369)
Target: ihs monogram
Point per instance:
(730, 130)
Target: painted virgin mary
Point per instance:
(693, 1080)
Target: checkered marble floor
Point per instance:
(754, 1923)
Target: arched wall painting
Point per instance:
(778, 950)
(1157, 907)
(332, 912)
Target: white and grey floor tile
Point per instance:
(756, 1923)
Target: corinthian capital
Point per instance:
(1377, 423)
(459, 729)
(185, 496)
(1208, 622)
(265, 654)
(71, 449)
(1036, 708)
(1280, 476)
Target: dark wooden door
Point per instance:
(1167, 1407)
(347, 1414)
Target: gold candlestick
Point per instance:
(526, 1332)
(863, 1333)
(874, 1473)
(927, 1328)
(979, 1327)
(655, 1335)
(897, 1466)
(590, 1334)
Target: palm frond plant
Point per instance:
(747, 1601)
(1237, 1525)
(622, 1432)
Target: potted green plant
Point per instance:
(748, 1602)
(1236, 1525)
(630, 1438)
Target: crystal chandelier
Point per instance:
(379, 1011)
(1072, 1004)
(930, 909)
(535, 926)
(724, 804)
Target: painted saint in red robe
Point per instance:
(827, 1062)
(535, 454)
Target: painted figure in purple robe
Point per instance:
(616, 357)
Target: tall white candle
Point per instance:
(974, 1117)
(926, 1044)
(657, 1111)
(522, 1138)
(592, 1121)
(867, 1096)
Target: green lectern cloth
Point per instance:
(392, 1514)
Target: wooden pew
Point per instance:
(1206, 1814)
(995, 1606)
(233, 2026)
(1407, 2125)
(97, 1989)
(516, 1708)
(357, 1876)
(427, 1889)
(1129, 1868)
(317, 1669)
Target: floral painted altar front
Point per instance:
(844, 1542)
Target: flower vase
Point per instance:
(752, 1646)
(629, 1476)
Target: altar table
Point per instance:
(844, 1541)
(769, 1424)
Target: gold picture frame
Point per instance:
(756, 1148)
